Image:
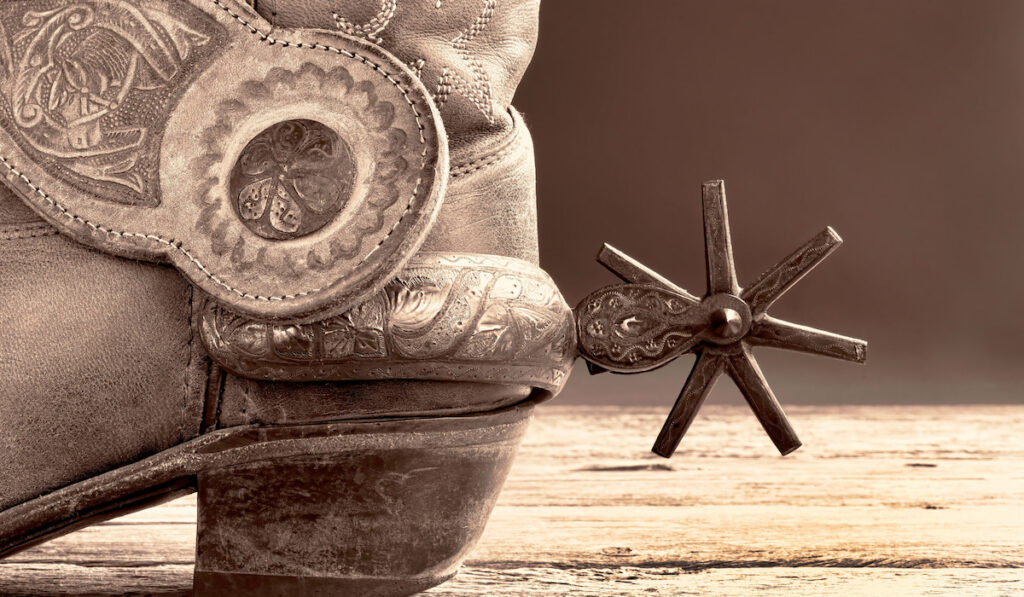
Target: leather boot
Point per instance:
(283, 254)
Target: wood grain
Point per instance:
(880, 500)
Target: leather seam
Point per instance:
(511, 142)
(213, 395)
(24, 231)
(188, 362)
(179, 246)
(484, 161)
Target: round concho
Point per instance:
(292, 179)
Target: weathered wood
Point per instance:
(931, 498)
(170, 581)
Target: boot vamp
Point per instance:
(96, 354)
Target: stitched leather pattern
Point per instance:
(469, 53)
(478, 88)
(471, 81)
(515, 143)
(490, 202)
(372, 29)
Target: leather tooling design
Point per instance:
(458, 317)
(391, 177)
(292, 179)
(87, 85)
(253, 82)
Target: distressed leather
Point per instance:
(98, 366)
(491, 204)
(471, 54)
(99, 363)
(13, 211)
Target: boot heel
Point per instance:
(372, 508)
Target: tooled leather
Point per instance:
(98, 363)
(495, 47)
(313, 275)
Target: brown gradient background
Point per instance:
(899, 123)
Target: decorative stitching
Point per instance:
(177, 245)
(416, 66)
(510, 143)
(479, 91)
(373, 28)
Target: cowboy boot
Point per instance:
(284, 255)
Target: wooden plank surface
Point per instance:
(897, 500)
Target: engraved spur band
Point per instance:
(453, 317)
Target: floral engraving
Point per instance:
(292, 179)
(495, 320)
(636, 326)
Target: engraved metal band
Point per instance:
(454, 317)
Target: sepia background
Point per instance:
(901, 124)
